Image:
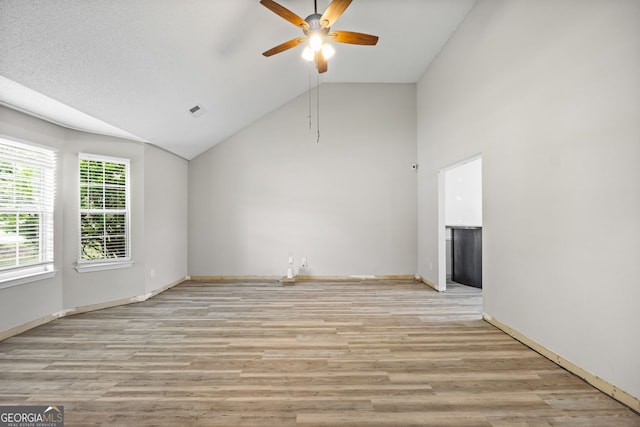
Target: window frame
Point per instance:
(89, 265)
(44, 268)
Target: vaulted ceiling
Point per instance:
(140, 65)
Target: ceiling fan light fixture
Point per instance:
(328, 51)
(308, 54)
(315, 42)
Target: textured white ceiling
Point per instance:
(139, 65)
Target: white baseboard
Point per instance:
(234, 278)
(427, 282)
(84, 309)
(17, 330)
(301, 278)
(355, 278)
(602, 385)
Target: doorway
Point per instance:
(460, 224)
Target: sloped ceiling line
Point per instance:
(137, 66)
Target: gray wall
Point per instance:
(23, 303)
(346, 203)
(159, 214)
(81, 289)
(549, 93)
(166, 179)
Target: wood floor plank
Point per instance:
(368, 353)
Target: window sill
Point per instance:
(101, 266)
(27, 278)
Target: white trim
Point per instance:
(442, 241)
(88, 267)
(28, 143)
(421, 279)
(44, 159)
(27, 278)
(83, 309)
(101, 158)
(601, 384)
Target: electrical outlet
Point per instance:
(304, 263)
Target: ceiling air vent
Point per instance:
(196, 111)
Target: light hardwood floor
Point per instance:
(377, 353)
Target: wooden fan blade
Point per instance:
(321, 63)
(333, 12)
(284, 46)
(353, 38)
(285, 13)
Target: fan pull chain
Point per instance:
(318, 106)
(309, 96)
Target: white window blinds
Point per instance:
(27, 193)
(104, 209)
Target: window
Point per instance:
(104, 213)
(27, 192)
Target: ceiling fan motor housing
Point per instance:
(314, 25)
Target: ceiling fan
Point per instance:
(317, 29)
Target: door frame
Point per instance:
(442, 197)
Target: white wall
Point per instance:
(549, 93)
(346, 203)
(159, 213)
(166, 179)
(463, 200)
